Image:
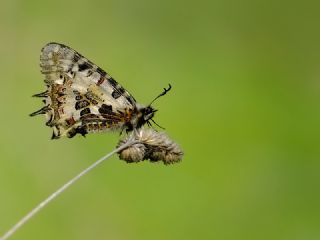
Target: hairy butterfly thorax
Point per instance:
(82, 98)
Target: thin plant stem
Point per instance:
(44, 203)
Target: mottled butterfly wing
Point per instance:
(81, 97)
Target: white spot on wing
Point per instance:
(95, 77)
(56, 48)
(59, 81)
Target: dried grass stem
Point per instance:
(44, 203)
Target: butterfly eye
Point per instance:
(148, 115)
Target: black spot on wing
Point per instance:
(106, 109)
(81, 130)
(85, 111)
(118, 92)
(112, 82)
(78, 97)
(89, 73)
(81, 104)
(76, 57)
(84, 66)
(130, 99)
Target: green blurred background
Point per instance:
(245, 107)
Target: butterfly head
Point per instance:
(148, 113)
(145, 116)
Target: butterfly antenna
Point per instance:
(157, 124)
(165, 90)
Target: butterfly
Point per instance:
(82, 98)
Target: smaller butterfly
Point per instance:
(82, 98)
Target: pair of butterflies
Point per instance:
(82, 98)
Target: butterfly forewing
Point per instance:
(81, 97)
